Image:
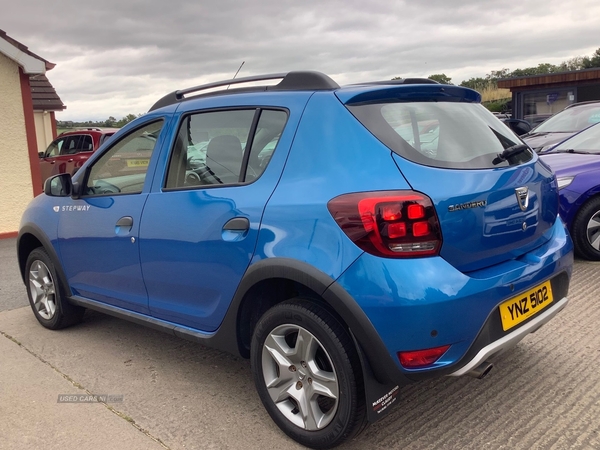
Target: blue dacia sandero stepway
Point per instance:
(348, 240)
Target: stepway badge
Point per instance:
(76, 208)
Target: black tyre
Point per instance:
(586, 230)
(308, 375)
(46, 295)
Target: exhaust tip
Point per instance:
(481, 370)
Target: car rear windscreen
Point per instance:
(441, 134)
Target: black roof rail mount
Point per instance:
(290, 81)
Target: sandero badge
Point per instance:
(306, 226)
(469, 205)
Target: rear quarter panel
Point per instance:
(332, 154)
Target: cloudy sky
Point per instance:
(118, 57)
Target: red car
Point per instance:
(71, 149)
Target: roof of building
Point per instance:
(18, 52)
(574, 76)
(43, 95)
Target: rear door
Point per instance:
(490, 209)
(200, 225)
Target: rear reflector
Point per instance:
(421, 358)
(393, 224)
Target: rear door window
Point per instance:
(440, 134)
(224, 147)
(71, 145)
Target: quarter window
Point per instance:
(70, 145)
(122, 169)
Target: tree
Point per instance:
(441, 78)
(593, 61)
(475, 83)
(125, 120)
(495, 75)
(110, 122)
(541, 69)
(575, 63)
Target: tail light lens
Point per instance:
(393, 224)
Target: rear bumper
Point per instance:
(511, 339)
(426, 303)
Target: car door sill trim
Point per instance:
(142, 319)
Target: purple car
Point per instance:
(576, 162)
(562, 125)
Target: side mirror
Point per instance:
(41, 154)
(59, 185)
(520, 127)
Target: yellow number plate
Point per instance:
(137, 162)
(518, 309)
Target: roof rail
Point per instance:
(290, 81)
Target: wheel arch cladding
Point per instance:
(292, 278)
(30, 238)
(267, 283)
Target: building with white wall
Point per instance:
(27, 125)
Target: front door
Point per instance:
(98, 233)
(66, 153)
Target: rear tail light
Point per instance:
(421, 358)
(394, 224)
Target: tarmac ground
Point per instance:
(158, 391)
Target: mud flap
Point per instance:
(379, 397)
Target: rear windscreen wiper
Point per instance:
(508, 152)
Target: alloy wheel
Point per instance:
(300, 377)
(43, 290)
(593, 231)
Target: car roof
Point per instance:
(314, 81)
(290, 81)
(90, 131)
(575, 105)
